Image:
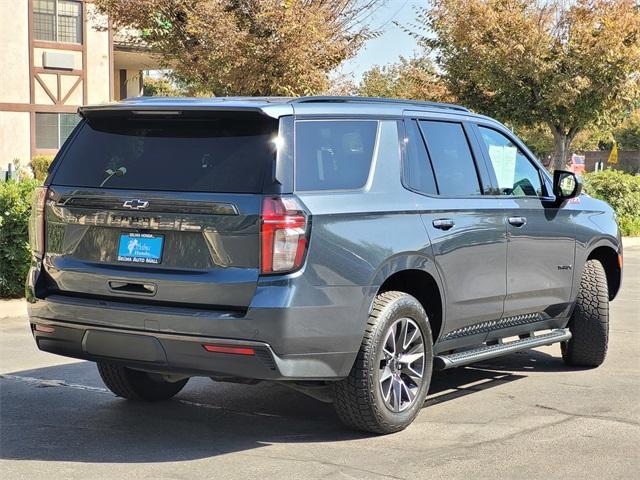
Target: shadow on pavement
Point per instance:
(528, 361)
(72, 423)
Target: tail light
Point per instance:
(37, 221)
(283, 235)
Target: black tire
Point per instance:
(136, 385)
(589, 324)
(358, 399)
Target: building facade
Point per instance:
(56, 55)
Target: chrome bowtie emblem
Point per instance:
(136, 204)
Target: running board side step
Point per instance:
(458, 359)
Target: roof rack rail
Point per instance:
(338, 99)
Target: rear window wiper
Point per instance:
(110, 173)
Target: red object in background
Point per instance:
(576, 165)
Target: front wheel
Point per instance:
(589, 324)
(389, 380)
(136, 385)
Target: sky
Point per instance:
(391, 44)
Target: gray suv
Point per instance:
(346, 247)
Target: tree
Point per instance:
(628, 133)
(591, 139)
(565, 64)
(159, 87)
(413, 78)
(538, 139)
(247, 47)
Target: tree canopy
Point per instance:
(247, 47)
(627, 134)
(565, 64)
(413, 78)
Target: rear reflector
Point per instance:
(43, 328)
(228, 349)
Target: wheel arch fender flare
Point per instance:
(405, 261)
(609, 252)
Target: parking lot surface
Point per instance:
(526, 415)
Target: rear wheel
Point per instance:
(589, 323)
(136, 385)
(389, 380)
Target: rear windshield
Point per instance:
(226, 154)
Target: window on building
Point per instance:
(451, 158)
(515, 174)
(52, 129)
(44, 19)
(57, 20)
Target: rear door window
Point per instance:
(333, 154)
(418, 173)
(226, 154)
(451, 158)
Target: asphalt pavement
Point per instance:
(525, 415)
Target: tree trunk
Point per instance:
(561, 151)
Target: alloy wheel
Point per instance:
(401, 365)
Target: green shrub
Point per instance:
(621, 191)
(15, 257)
(40, 166)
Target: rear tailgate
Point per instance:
(160, 210)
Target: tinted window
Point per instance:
(189, 154)
(451, 158)
(516, 175)
(418, 173)
(334, 155)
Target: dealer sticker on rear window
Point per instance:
(140, 248)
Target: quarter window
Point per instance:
(57, 20)
(333, 154)
(515, 174)
(451, 158)
(52, 129)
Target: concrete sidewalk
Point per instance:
(630, 242)
(16, 307)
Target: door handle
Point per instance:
(517, 221)
(443, 223)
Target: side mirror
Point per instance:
(566, 185)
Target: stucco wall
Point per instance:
(14, 59)
(133, 83)
(97, 58)
(14, 138)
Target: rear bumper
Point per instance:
(145, 337)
